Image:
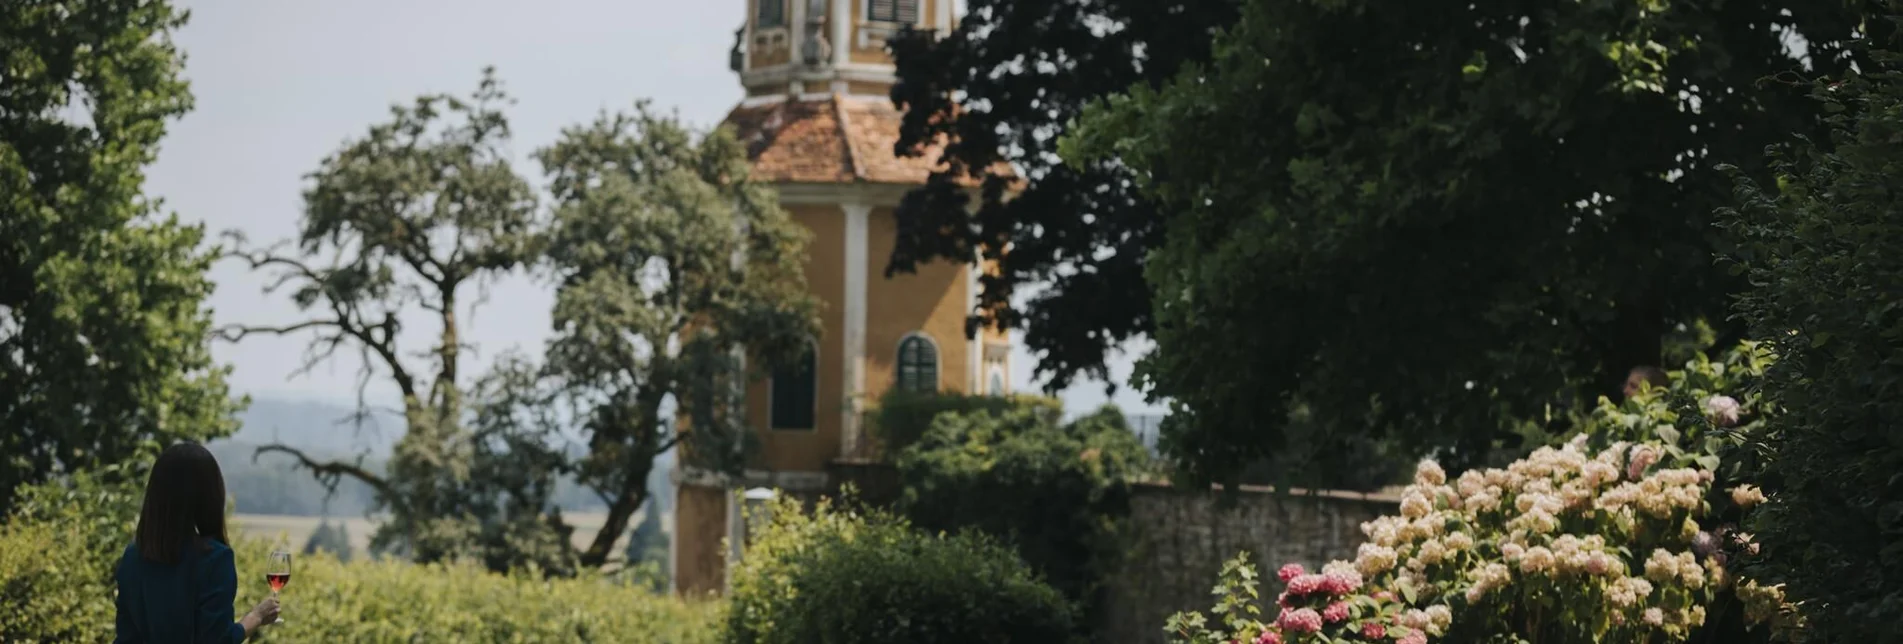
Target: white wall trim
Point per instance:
(945, 23)
(858, 221)
(793, 71)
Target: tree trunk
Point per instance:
(634, 484)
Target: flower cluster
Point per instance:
(1558, 533)
(1610, 536)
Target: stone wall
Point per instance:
(1181, 538)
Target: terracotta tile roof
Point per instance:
(838, 139)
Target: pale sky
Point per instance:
(281, 84)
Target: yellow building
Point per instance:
(819, 126)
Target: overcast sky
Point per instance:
(281, 84)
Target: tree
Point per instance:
(1419, 224)
(672, 267)
(1819, 249)
(102, 320)
(1056, 492)
(998, 90)
(403, 223)
(333, 538)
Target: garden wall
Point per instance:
(1181, 538)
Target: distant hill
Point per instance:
(269, 484)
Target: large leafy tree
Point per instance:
(998, 90)
(673, 268)
(1420, 222)
(1826, 280)
(102, 323)
(405, 224)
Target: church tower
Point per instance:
(819, 126)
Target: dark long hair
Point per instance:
(184, 501)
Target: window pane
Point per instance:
(918, 365)
(772, 13)
(905, 11)
(794, 393)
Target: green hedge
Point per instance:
(56, 561)
(903, 417)
(845, 578)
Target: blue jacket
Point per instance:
(188, 602)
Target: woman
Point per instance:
(177, 580)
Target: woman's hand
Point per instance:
(266, 612)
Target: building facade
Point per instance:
(819, 126)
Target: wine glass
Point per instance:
(277, 573)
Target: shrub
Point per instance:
(1820, 250)
(56, 570)
(53, 587)
(1055, 492)
(842, 577)
(1613, 536)
(904, 416)
(396, 601)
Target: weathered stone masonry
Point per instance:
(1182, 537)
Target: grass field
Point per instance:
(295, 531)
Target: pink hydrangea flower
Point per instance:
(1300, 620)
(1414, 637)
(1283, 601)
(1341, 582)
(1335, 612)
(1306, 584)
(1289, 572)
(1722, 410)
(1268, 637)
(1374, 630)
(1704, 543)
(1642, 457)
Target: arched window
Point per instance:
(918, 364)
(795, 392)
(899, 11)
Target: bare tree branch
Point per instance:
(331, 471)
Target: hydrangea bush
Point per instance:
(1622, 534)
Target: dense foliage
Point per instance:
(102, 317)
(401, 224)
(904, 416)
(1821, 249)
(673, 270)
(668, 259)
(1055, 492)
(843, 577)
(56, 560)
(1435, 224)
(1627, 532)
(999, 89)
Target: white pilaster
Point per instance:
(841, 22)
(795, 30)
(974, 343)
(853, 364)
